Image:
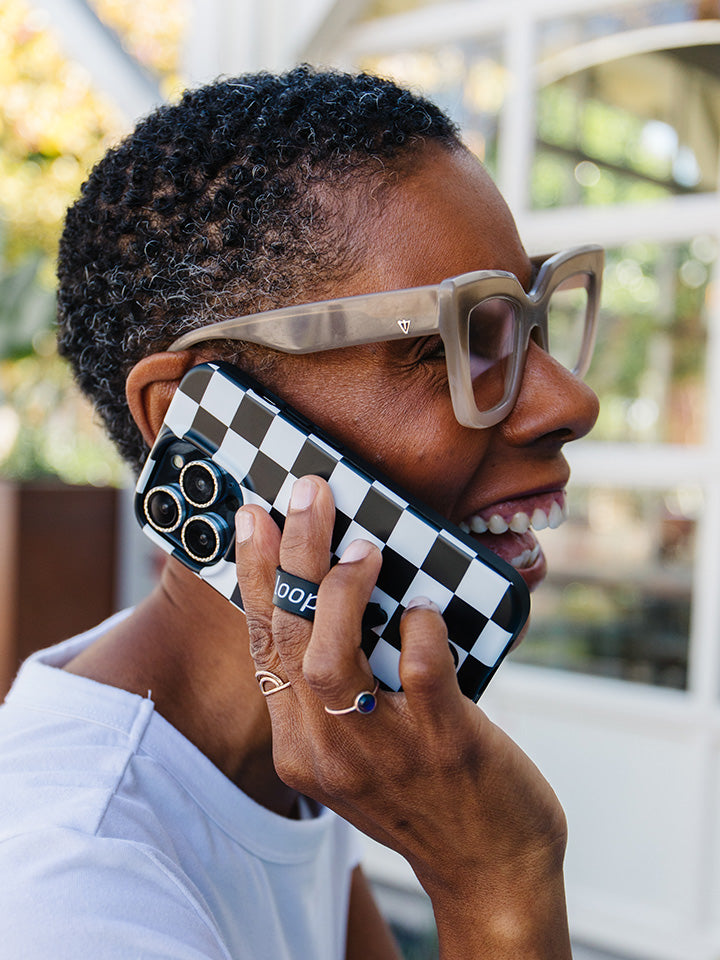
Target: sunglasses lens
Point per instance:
(567, 312)
(492, 330)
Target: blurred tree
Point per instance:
(53, 128)
(27, 308)
(152, 32)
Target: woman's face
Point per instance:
(390, 402)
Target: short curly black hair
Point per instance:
(217, 206)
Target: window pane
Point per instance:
(391, 8)
(649, 363)
(466, 78)
(629, 130)
(559, 34)
(617, 598)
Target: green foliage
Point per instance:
(47, 429)
(52, 129)
(572, 126)
(27, 308)
(650, 355)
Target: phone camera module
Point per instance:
(164, 509)
(200, 481)
(203, 537)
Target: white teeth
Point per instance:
(555, 517)
(539, 519)
(465, 527)
(521, 561)
(497, 524)
(527, 558)
(478, 525)
(520, 523)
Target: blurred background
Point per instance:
(600, 121)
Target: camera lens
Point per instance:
(164, 508)
(203, 537)
(200, 482)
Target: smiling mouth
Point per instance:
(507, 528)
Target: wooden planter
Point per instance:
(58, 547)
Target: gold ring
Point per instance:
(364, 702)
(270, 683)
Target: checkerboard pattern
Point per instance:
(482, 599)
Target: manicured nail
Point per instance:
(303, 494)
(358, 550)
(244, 525)
(422, 603)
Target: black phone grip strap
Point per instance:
(299, 596)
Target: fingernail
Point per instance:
(358, 550)
(244, 525)
(303, 494)
(422, 603)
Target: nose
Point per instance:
(553, 406)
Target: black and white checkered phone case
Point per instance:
(221, 415)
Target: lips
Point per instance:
(507, 529)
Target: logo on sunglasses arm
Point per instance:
(404, 325)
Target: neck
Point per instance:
(189, 646)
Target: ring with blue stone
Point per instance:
(364, 702)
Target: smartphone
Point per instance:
(226, 441)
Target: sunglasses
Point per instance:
(485, 320)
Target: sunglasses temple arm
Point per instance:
(329, 324)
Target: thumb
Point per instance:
(427, 668)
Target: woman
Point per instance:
(195, 837)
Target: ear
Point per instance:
(151, 385)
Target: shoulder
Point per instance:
(66, 894)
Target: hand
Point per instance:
(426, 773)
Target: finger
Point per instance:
(305, 545)
(257, 552)
(305, 553)
(335, 667)
(427, 668)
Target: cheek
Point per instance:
(401, 425)
(417, 444)
(425, 462)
